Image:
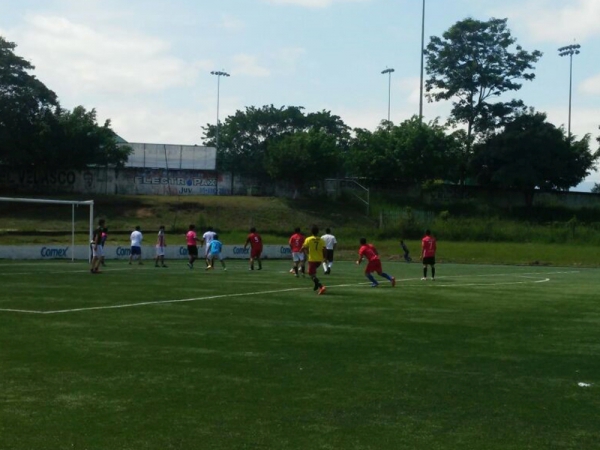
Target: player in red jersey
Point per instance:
(428, 248)
(256, 248)
(369, 252)
(296, 241)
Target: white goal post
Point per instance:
(90, 203)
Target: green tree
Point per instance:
(408, 153)
(531, 154)
(24, 102)
(245, 136)
(473, 63)
(36, 133)
(75, 140)
(302, 157)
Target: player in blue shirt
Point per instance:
(215, 253)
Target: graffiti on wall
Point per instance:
(185, 183)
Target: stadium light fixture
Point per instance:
(569, 51)
(389, 73)
(218, 74)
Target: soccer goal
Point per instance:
(73, 204)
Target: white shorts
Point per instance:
(98, 251)
(298, 256)
(160, 251)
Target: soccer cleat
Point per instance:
(190, 265)
(321, 290)
(164, 265)
(208, 268)
(224, 268)
(374, 284)
(155, 265)
(423, 279)
(393, 281)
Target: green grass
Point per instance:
(487, 357)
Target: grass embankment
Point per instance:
(461, 240)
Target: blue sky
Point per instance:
(146, 64)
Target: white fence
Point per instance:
(49, 252)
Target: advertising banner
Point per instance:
(50, 252)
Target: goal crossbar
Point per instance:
(73, 203)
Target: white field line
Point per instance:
(159, 302)
(246, 294)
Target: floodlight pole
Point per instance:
(389, 72)
(422, 63)
(569, 51)
(218, 74)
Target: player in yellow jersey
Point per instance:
(315, 249)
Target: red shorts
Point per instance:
(312, 267)
(255, 252)
(373, 266)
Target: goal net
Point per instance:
(42, 221)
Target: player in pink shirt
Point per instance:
(192, 245)
(428, 248)
(369, 252)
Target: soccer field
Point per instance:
(138, 357)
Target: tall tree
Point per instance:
(24, 101)
(408, 153)
(245, 136)
(36, 133)
(74, 139)
(303, 157)
(531, 153)
(473, 63)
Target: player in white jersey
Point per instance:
(330, 243)
(161, 243)
(207, 239)
(136, 245)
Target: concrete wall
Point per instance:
(136, 181)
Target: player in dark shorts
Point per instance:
(192, 245)
(428, 249)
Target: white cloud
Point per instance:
(557, 22)
(152, 122)
(244, 64)
(74, 58)
(288, 57)
(312, 3)
(231, 23)
(591, 86)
